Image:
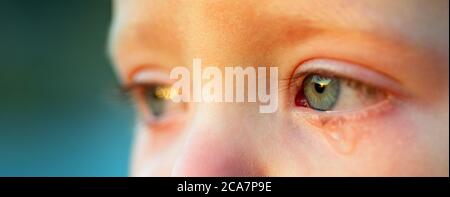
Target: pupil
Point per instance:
(320, 88)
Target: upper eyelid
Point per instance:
(350, 71)
(132, 86)
(145, 76)
(149, 76)
(322, 72)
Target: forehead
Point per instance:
(172, 27)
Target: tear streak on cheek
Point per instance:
(344, 131)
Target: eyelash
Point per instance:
(290, 85)
(168, 115)
(135, 91)
(324, 119)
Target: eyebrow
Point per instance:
(284, 29)
(260, 34)
(379, 48)
(290, 30)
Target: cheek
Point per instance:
(398, 143)
(153, 153)
(390, 145)
(288, 150)
(393, 143)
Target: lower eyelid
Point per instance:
(332, 119)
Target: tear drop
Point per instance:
(343, 141)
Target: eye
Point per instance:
(157, 98)
(324, 89)
(319, 92)
(150, 89)
(341, 100)
(155, 103)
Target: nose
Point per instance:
(217, 147)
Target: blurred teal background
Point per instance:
(59, 113)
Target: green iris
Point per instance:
(156, 103)
(321, 92)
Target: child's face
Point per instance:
(384, 110)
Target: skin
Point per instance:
(404, 40)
